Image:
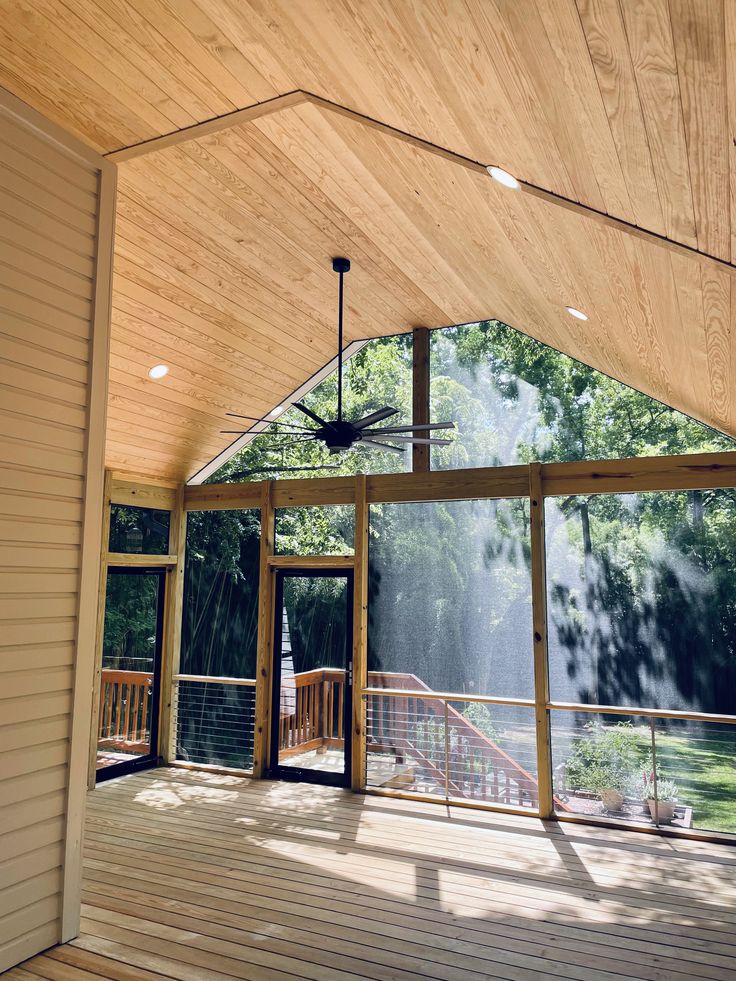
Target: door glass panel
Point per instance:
(312, 644)
(130, 658)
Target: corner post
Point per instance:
(420, 396)
(265, 634)
(360, 633)
(539, 621)
(173, 615)
(101, 598)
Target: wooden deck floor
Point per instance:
(202, 876)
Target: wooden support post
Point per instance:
(173, 613)
(261, 737)
(360, 633)
(539, 621)
(101, 598)
(420, 396)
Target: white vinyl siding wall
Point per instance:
(49, 205)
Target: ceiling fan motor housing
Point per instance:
(338, 435)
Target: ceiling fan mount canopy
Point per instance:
(340, 435)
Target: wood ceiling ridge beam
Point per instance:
(299, 97)
(208, 126)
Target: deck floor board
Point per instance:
(203, 877)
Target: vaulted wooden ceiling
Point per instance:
(223, 242)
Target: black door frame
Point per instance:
(276, 771)
(151, 758)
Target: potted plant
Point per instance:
(602, 762)
(661, 800)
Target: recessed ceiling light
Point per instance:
(578, 314)
(158, 371)
(503, 177)
(277, 411)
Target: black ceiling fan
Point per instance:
(339, 434)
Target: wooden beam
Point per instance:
(360, 634)
(697, 471)
(420, 454)
(311, 561)
(689, 472)
(173, 613)
(265, 634)
(619, 225)
(449, 485)
(223, 497)
(135, 560)
(329, 490)
(141, 495)
(539, 628)
(215, 125)
(399, 134)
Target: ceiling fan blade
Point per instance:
(414, 429)
(312, 415)
(418, 440)
(383, 413)
(380, 446)
(299, 437)
(284, 446)
(271, 422)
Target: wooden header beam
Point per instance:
(668, 473)
(132, 493)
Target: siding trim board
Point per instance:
(55, 290)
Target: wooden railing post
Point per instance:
(261, 737)
(360, 635)
(539, 627)
(173, 614)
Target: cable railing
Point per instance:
(448, 745)
(639, 766)
(644, 766)
(214, 721)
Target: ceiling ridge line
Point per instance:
(207, 126)
(299, 97)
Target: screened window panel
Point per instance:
(143, 531)
(449, 604)
(220, 619)
(642, 599)
(318, 530)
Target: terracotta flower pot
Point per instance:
(662, 811)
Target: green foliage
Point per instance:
(480, 715)
(131, 608)
(605, 757)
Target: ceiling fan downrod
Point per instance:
(340, 265)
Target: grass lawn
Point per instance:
(703, 765)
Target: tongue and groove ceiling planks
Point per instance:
(223, 242)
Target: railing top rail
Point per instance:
(556, 706)
(207, 679)
(448, 696)
(645, 712)
(118, 676)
